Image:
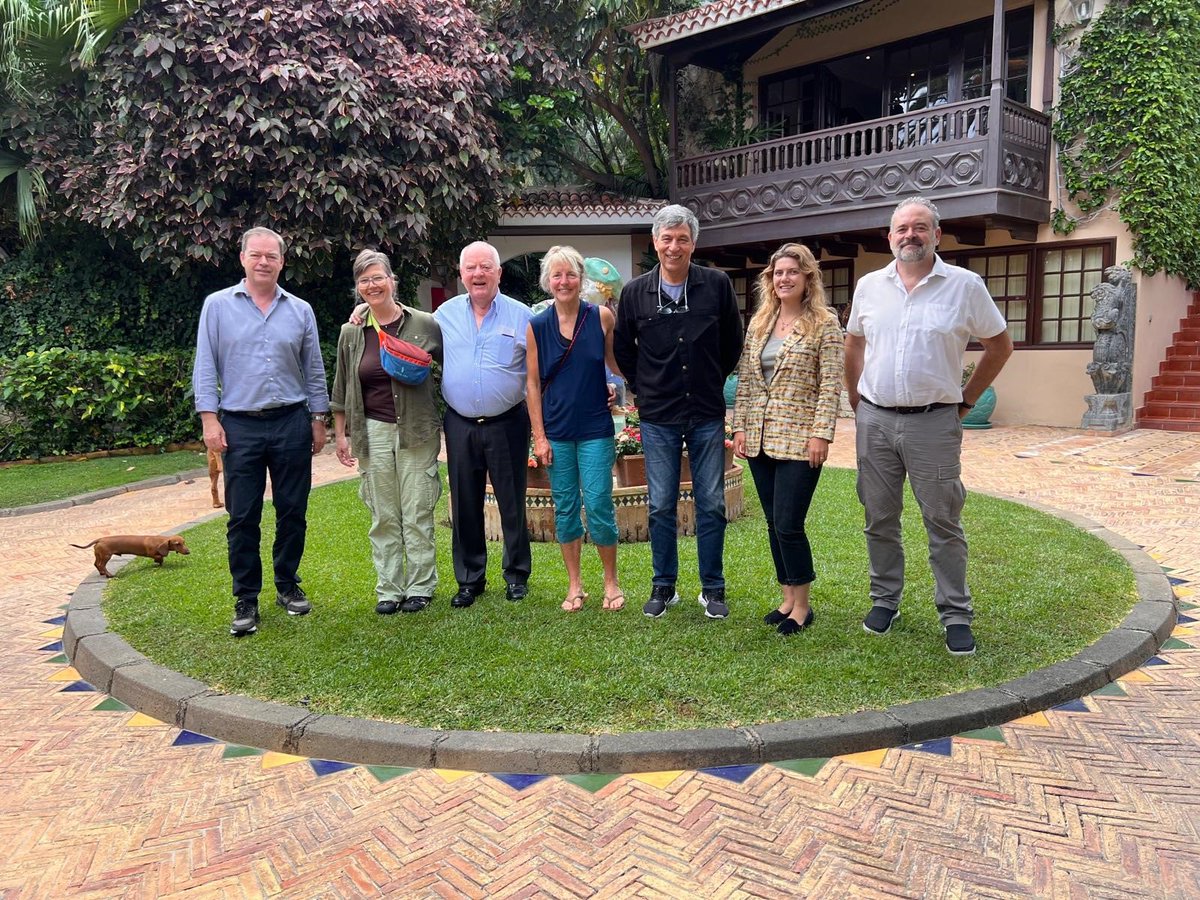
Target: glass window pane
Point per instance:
(1016, 286)
(1089, 331)
(1050, 308)
(1070, 330)
(995, 287)
(978, 264)
(1073, 260)
(1072, 283)
(1049, 333)
(996, 265)
(1070, 308)
(1093, 257)
(1054, 262)
(1017, 263)
(1016, 330)
(1052, 285)
(1018, 309)
(1090, 280)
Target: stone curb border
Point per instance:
(107, 662)
(103, 494)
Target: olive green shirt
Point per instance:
(416, 406)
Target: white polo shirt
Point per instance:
(915, 341)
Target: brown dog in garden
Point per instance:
(214, 475)
(155, 546)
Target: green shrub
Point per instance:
(59, 401)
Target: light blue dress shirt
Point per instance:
(248, 361)
(483, 373)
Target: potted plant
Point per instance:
(630, 466)
(979, 417)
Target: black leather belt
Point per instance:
(486, 420)
(908, 410)
(271, 412)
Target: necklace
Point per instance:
(786, 326)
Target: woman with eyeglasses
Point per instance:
(391, 429)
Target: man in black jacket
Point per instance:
(678, 337)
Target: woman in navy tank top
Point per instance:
(567, 393)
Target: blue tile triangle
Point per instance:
(1072, 706)
(57, 620)
(940, 746)
(1186, 620)
(56, 647)
(736, 774)
(1176, 581)
(329, 766)
(187, 738)
(1156, 661)
(78, 686)
(519, 782)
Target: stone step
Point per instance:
(1179, 364)
(1181, 379)
(1173, 394)
(1166, 424)
(1181, 410)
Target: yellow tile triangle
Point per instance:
(1185, 631)
(1184, 591)
(657, 779)
(53, 633)
(273, 759)
(67, 674)
(1137, 676)
(452, 775)
(1038, 719)
(872, 759)
(141, 720)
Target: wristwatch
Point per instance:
(963, 404)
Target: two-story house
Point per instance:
(855, 104)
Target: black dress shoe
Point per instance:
(415, 604)
(791, 626)
(465, 597)
(774, 617)
(516, 591)
(386, 607)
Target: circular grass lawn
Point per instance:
(1043, 590)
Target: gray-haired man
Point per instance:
(908, 327)
(678, 337)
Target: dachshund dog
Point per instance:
(155, 546)
(214, 475)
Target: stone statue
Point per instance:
(1111, 368)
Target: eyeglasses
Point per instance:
(372, 281)
(485, 268)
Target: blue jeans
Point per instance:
(582, 470)
(663, 446)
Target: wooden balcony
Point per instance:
(979, 159)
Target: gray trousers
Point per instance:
(928, 448)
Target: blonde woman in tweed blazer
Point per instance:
(789, 382)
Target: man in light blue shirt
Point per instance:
(487, 424)
(260, 390)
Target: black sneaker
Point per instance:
(713, 601)
(387, 607)
(245, 618)
(295, 602)
(516, 591)
(880, 620)
(959, 640)
(415, 604)
(661, 596)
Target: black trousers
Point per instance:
(495, 449)
(785, 489)
(281, 445)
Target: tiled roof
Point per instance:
(655, 32)
(537, 204)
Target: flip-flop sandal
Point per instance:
(615, 603)
(575, 603)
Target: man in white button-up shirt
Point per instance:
(909, 325)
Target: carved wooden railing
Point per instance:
(968, 124)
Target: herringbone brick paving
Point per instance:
(1097, 802)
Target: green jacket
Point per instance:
(416, 407)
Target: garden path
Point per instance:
(1094, 799)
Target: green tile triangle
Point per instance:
(803, 766)
(111, 704)
(233, 751)
(592, 782)
(387, 773)
(1185, 605)
(984, 734)
(61, 659)
(1112, 689)
(1175, 644)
